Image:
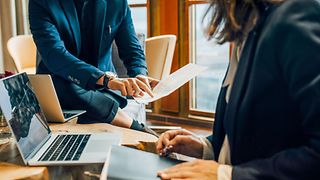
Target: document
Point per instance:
(172, 82)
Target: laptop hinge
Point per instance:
(36, 150)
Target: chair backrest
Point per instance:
(118, 63)
(159, 55)
(23, 52)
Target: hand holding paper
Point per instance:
(172, 82)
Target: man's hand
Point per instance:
(197, 169)
(129, 86)
(150, 82)
(180, 141)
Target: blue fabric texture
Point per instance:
(78, 49)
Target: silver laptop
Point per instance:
(36, 143)
(49, 102)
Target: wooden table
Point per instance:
(9, 152)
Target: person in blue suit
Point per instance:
(267, 122)
(73, 39)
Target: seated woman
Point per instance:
(267, 123)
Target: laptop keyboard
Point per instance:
(66, 148)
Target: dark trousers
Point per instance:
(101, 106)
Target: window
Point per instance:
(139, 11)
(204, 89)
(183, 18)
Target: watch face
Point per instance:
(110, 74)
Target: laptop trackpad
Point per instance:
(97, 146)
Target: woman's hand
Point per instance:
(197, 169)
(130, 86)
(180, 141)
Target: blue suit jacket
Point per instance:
(273, 116)
(56, 32)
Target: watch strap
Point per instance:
(108, 77)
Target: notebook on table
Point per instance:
(35, 141)
(48, 99)
(129, 163)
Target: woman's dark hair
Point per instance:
(229, 20)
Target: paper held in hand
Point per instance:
(172, 82)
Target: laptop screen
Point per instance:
(21, 109)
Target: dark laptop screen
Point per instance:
(21, 109)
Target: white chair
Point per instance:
(159, 55)
(23, 52)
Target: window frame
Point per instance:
(141, 5)
(185, 53)
(172, 17)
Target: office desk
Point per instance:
(9, 152)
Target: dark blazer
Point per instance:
(56, 31)
(273, 116)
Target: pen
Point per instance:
(166, 151)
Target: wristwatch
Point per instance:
(108, 76)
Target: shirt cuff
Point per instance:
(207, 152)
(224, 172)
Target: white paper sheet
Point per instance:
(172, 82)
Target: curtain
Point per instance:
(13, 22)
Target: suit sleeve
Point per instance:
(298, 28)
(53, 51)
(130, 50)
